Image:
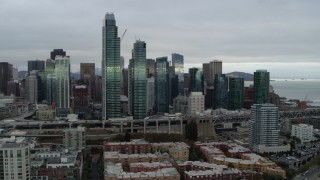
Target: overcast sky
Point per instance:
(282, 36)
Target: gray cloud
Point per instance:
(255, 31)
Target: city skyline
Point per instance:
(245, 35)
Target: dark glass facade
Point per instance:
(261, 87)
(162, 85)
(220, 91)
(138, 79)
(236, 93)
(110, 68)
(195, 80)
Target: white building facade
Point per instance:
(263, 126)
(195, 103)
(303, 131)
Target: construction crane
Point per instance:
(123, 34)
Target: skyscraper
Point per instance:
(32, 87)
(57, 52)
(261, 87)
(178, 64)
(162, 85)
(110, 68)
(263, 126)
(150, 68)
(87, 69)
(150, 95)
(196, 80)
(173, 84)
(36, 65)
(62, 77)
(220, 96)
(4, 76)
(236, 93)
(138, 78)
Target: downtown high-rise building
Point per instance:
(110, 68)
(195, 80)
(62, 84)
(87, 70)
(5, 76)
(261, 87)
(178, 64)
(32, 87)
(37, 65)
(220, 94)
(57, 52)
(137, 81)
(162, 85)
(263, 126)
(151, 68)
(150, 95)
(236, 93)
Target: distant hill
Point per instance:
(245, 76)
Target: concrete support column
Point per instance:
(157, 126)
(181, 126)
(144, 126)
(169, 124)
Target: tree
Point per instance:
(192, 130)
(230, 165)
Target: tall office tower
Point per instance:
(15, 73)
(87, 70)
(215, 68)
(32, 87)
(87, 75)
(97, 96)
(220, 96)
(236, 93)
(150, 68)
(125, 81)
(36, 65)
(178, 64)
(121, 75)
(263, 126)
(162, 85)
(15, 161)
(13, 88)
(150, 95)
(195, 103)
(173, 84)
(261, 87)
(186, 83)
(138, 77)
(62, 76)
(196, 80)
(207, 84)
(4, 76)
(51, 89)
(57, 52)
(110, 68)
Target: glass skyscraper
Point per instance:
(138, 78)
(220, 97)
(62, 75)
(195, 80)
(110, 68)
(178, 64)
(236, 93)
(162, 85)
(261, 87)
